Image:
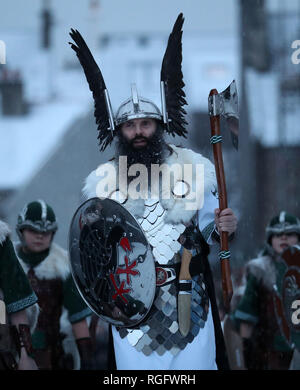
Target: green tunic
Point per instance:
(17, 292)
(69, 298)
(73, 302)
(250, 308)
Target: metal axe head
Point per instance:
(226, 104)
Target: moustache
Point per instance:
(139, 138)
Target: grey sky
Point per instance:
(125, 15)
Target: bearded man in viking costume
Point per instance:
(170, 194)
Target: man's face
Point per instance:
(138, 131)
(36, 241)
(282, 241)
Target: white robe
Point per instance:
(201, 353)
(198, 355)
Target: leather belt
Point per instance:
(167, 273)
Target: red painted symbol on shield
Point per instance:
(125, 244)
(128, 270)
(119, 290)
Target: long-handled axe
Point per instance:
(223, 104)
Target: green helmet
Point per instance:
(283, 223)
(38, 216)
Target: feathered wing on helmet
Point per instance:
(103, 113)
(173, 96)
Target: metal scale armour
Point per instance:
(159, 332)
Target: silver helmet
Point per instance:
(171, 88)
(136, 107)
(37, 216)
(283, 223)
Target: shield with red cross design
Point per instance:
(112, 262)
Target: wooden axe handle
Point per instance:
(219, 166)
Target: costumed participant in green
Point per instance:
(16, 297)
(47, 267)
(264, 346)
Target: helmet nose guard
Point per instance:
(137, 107)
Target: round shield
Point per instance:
(112, 262)
(287, 298)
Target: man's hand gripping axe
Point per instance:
(225, 104)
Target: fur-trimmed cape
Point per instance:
(177, 212)
(263, 269)
(55, 265)
(4, 231)
(32, 311)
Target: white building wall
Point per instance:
(210, 59)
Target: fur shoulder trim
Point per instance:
(199, 176)
(180, 156)
(200, 180)
(55, 265)
(188, 156)
(263, 269)
(92, 187)
(4, 231)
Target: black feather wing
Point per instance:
(97, 86)
(171, 75)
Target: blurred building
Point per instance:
(52, 149)
(270, 116)
(48, 136)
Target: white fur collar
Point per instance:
(263, 269)
(55, 265)
(4, 231)
(177, 211)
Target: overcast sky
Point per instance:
(124, 15)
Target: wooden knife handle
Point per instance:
(184, 273)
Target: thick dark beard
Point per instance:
(154, 152)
